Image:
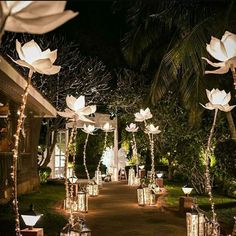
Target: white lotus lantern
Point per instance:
(143, 115)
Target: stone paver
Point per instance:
(115, 212)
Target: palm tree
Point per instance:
(185, 27)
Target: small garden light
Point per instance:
(187, 190)
(73, 179)
(141, 167)
(30, 217)
(159, 175)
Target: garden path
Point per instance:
(115, 213)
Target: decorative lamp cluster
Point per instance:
(224, 51)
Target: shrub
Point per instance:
(44, 173)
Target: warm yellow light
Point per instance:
(141, 167)
(187, 190)
(30, 220)
(159, 175)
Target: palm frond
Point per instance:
(184, 60)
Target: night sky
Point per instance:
(97, 30)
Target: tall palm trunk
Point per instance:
(231, 125)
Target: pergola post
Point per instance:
(115, 178)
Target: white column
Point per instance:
(115, 171)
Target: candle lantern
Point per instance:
(92, 189)
(131, 178)
(192, 224)
(137, 181)
(85, 231)
(98, 177)
(70, 230)
(82, 201)
(140, 196)
(212, 228)
(147, 193)
(153, 200)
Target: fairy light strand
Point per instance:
(234, 75)
(84, 157)
(71, 219)
(16, 154)
(151, 140)
(151, 143)
(67, 159)
(207, 163)
(135, 151)
(104, 148)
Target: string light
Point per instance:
(84, 157)
(16, 153)
(208, 178)
(73, 131)
(135, 151)
(71, 220)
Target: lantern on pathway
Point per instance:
(85, 231)
(136, 181)
(82, 201)
(92, 189)
(192, 224)
(147, 193)
(98, 177)
(131, 177)
(153, 200)
(70, 230)
(140, 196)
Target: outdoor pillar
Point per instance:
(66, 141)
(115, 171)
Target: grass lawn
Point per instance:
(44, 201)
(225, 206)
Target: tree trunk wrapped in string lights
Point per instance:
(76, 111)
(92, 187)
(132, 128)
(98, 174)
(151, 130)
(32, 57)
(218, 100)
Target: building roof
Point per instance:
(12, 85)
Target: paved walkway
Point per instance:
(115, 213)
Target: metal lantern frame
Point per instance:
(131, 177)
(98, 178)
(93, 189)
(82, 201)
